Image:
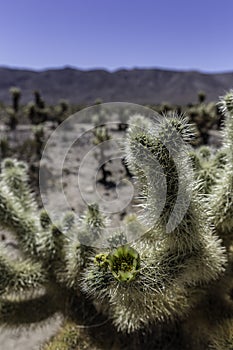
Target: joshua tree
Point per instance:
(64, 105)
(16, 94)
(31, 112)
(13, 111)
(39, 136)
(61, 111)
(201, 97)
(37, 113)
(167, 274)
(13, 120)
(39, 102)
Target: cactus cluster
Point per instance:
(160, 276)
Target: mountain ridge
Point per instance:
(137, 85)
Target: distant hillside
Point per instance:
(136, 85)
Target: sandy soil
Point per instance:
(27, 339)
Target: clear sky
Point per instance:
(112, 34)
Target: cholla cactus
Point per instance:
(208, 165)
(158, 277)
(221, 199)
(222, 338)
(101, 136)
(178, 252)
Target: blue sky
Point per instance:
(112, 34)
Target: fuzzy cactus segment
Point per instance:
(226, 103)
(156, 153)
(221, 198)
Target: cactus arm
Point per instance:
(15, 179)
(221, 199)
(23, 226)
(17, 277)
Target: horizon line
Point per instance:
(109, 70)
